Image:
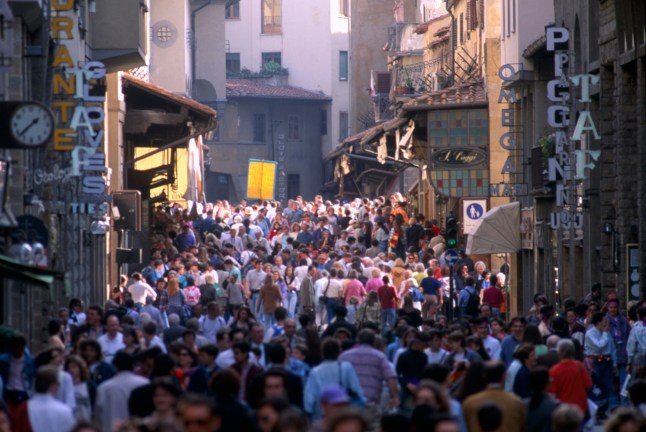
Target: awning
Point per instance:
(12, 269)
(497, 232)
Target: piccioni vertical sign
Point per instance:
(561, 167)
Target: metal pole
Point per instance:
(451, 289)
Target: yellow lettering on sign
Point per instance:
(63, 57)
(63, 139)
(63, 24)
(63, 5)
(63, 83)
(62, 107)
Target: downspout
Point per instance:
(194, 41)
(453, 42)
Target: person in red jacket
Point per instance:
(570, 381)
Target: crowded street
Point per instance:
(324, 316)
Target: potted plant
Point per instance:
(547, 144)
(408, 82)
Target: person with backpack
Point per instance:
(469, 300)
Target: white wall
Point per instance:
(312, 35)
(531, 18)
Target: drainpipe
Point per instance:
(453, 42)
(194, 41)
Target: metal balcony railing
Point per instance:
(431, 75)
(382, 108)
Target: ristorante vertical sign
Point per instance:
(569, 163)
(80, 113)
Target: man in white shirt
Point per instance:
(211, 322)
(320, 310)
(46, 413)
(112, 340)
(435, 352)
(140, 289)
(112, 396)
(490, 343)
(255, 278)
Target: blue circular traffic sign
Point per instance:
(451, 257)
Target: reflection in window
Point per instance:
(271, 16)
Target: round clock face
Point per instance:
(31, 125)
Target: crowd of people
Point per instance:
(323, 316)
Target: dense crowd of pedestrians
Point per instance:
(322, 316)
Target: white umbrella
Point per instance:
(498, 231)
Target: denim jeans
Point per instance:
(331, 306)
(254, 303)
(268, 320)
(602, 380)
(291, 299)
(387, 319)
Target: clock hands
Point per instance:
(33, 122)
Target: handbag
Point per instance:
(324, 298)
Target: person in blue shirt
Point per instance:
(601, 360)
(467, 293)
(432, 290)
(305, 237)
(185, 239)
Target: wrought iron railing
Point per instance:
(425, 76)
(382, 108)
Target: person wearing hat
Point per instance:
(334, 400)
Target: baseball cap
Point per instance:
(334, 395)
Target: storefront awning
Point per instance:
(12, 269)
(497, 232)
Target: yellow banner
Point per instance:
(261, 179)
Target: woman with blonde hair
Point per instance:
(175, 298)
(397, 274)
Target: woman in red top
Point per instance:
(389, 299)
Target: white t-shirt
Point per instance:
(209, 327)
(436, 357)
(492, 346)
(109, 347)
(140, 290)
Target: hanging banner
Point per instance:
(261, 179)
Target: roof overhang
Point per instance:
(190, 104)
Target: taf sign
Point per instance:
(459, 157)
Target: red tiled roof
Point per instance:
(161, 91)
(254, 89)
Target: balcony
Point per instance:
(126, 48)
(423, 77)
